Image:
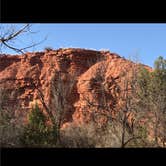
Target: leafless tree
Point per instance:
(11, 34)
(126, 113)
(110, 90)
(61, 91)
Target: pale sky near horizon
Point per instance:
(144, 41)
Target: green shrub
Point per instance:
(48, 49)
(36, 132)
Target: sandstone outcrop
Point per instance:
(23, 75)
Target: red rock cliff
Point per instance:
(87, 68)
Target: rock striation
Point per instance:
(88, 78)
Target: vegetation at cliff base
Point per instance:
(140, 121)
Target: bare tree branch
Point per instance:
(9, 35)
(130, 139)
(13, 35)
(13, 48)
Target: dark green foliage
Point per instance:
(36, 118)
(160, 64)
(153, 84)
(48, 49)
(37, 133)
(159, 80)
(152, 97)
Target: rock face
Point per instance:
(87, 78)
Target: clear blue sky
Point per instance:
(146, 41)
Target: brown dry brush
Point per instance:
(10, 119)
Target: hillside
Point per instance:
(23, 75)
